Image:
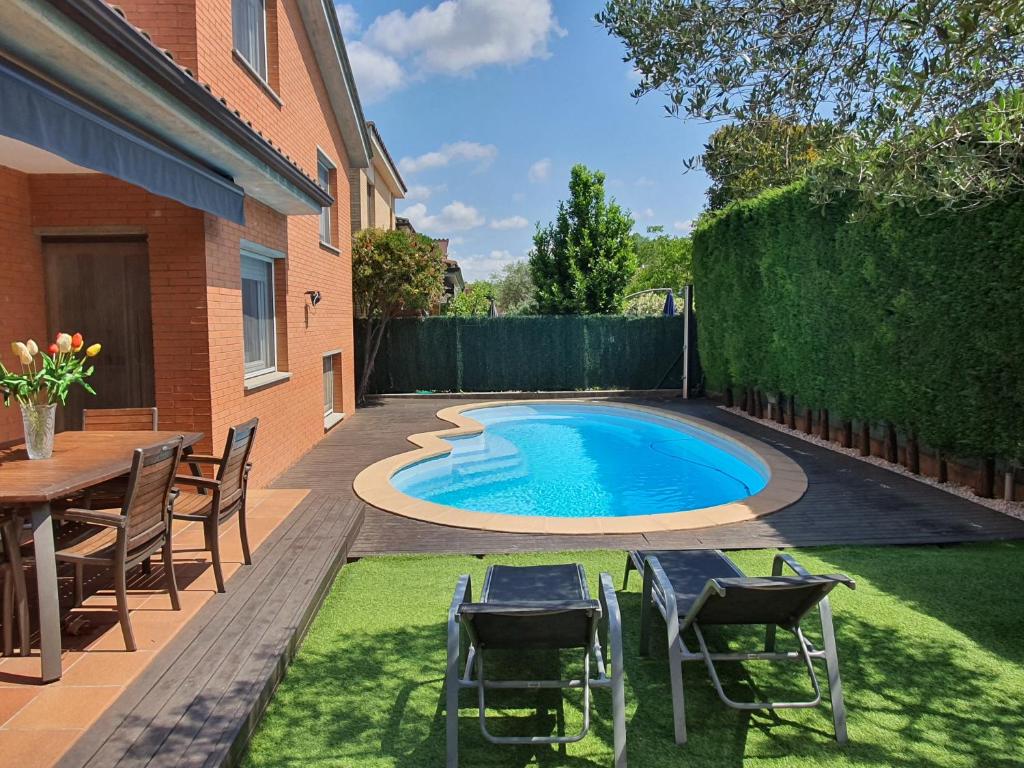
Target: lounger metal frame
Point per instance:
(658, 591)
(605, 629)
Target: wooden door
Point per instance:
(100, 288)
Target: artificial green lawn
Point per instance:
(931, 648)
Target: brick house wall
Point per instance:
(22, 292)
(292, 110)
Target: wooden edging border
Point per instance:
(787, 483)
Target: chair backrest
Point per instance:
(780, 600)
(119, 420)
(533, 606)
(149, 489)
(237, 449)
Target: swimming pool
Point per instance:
(573, 460)
(580, 466)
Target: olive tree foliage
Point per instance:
(582, 263)
(920, 100)
(393, 272)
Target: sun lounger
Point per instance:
(701, 588)
(528, 608)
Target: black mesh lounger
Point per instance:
(528, 608)
(699, 588)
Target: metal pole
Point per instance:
(687, 306)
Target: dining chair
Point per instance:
(112, 492)
(119, 420)
(218, 499)
(14, 604)
(122, 539)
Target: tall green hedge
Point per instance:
(534, 353)
(885, 316)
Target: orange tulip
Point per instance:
(76, 342)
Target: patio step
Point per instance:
(200, 699)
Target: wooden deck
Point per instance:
(848, 501)
(197, 703)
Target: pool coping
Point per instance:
(787, 483)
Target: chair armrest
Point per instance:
(611, 621)
(201, 458)
(457, 640)
(782, 559)
(197, 482)
(91, 516)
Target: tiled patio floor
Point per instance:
(39, 723)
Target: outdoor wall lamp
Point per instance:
(314, 297)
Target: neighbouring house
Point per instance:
(173, 184)
(454, 284)
(375, 189)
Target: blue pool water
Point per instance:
(573, 460)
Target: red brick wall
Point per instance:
(22, 295)
(299, 122)
(177, 270)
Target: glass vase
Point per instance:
(38, 423)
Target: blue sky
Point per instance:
(487, 104)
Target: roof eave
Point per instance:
(324, 30)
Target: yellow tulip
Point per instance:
(93, 350)
(22, 352)
(64, 343)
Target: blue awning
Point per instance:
(37, 113)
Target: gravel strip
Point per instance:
(1011, 508)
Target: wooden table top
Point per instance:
(80, 459)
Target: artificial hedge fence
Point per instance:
(883, 316)
(529, 354)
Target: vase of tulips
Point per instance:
(44, 381)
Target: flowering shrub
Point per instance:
(46, 377)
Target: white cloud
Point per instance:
(460, 151)
(459, 36)
(420, 192)
(454, 216)
(540, 170)
(482, 266)
(643, 181)
(646, 213)
(348, 18)
(376, 73)
(512, 222)
(683, 226)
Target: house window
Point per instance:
(328, 385)
(258, 324)
(323, 171)
(249, 28)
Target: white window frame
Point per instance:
(264, 366)
(261, 68)
(328, 362)
(324, 162)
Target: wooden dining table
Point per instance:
(79, 460)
